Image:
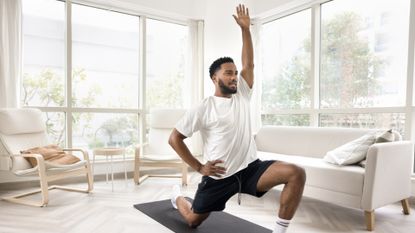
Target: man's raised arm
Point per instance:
(244, 21)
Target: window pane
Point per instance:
(365, 120)
(55, 127)
(105, 58)
(287, 120)
(43, 53)
(94, 130)
(166, 49)
(286, 62)
(363, 53)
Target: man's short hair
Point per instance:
(217, 63)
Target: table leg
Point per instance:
(112, 176)
(125, 168)
(106, 170)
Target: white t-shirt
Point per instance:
(225, 127)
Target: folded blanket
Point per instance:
(52, 154)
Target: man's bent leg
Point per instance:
(185, 209)
(294, 179)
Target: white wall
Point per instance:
(259, 7)
(181, 7)
(178, 9)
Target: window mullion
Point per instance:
(143, 89)
(409, 113)
(68, 63)
(315, 64)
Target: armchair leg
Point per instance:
(90, 178)
(44, 189)
(370, 220)
(137, 167)
(20, 200)
(43, 184)
(137, 174)
(405, 206)
(184, 175)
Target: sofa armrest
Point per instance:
(388, 174)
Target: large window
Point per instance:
(104, 58)
(360, 62)
(105, 75)
(286, 66)
(43, 53)
(43, 66)
(363, 53)
(348, 58)
(87, 80)
(363, 61)
(166, 49)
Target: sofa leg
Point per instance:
(370, 220)
(405, 206)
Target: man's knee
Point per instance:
(195, 221)
(300, 175)
(297, 174)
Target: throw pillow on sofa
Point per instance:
(351, 152)
(52, 154)
(387, 136)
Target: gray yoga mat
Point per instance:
(218, 222)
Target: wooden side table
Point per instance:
(111, 152)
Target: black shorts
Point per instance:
(212, 195)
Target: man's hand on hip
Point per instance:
(210, 169)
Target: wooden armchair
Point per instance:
(157, 152)
(21, 129)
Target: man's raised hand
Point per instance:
(242, 17)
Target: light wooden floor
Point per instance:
(106, 211)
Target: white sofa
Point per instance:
(385, 180)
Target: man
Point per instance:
(224, 123)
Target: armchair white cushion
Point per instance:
(21, 129)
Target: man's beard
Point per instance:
(225, 89)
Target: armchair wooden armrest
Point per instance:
(84, 152)
(40, 161)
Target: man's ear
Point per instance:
(213, 78)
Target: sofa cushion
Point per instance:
(347, 179)
(351, 152)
